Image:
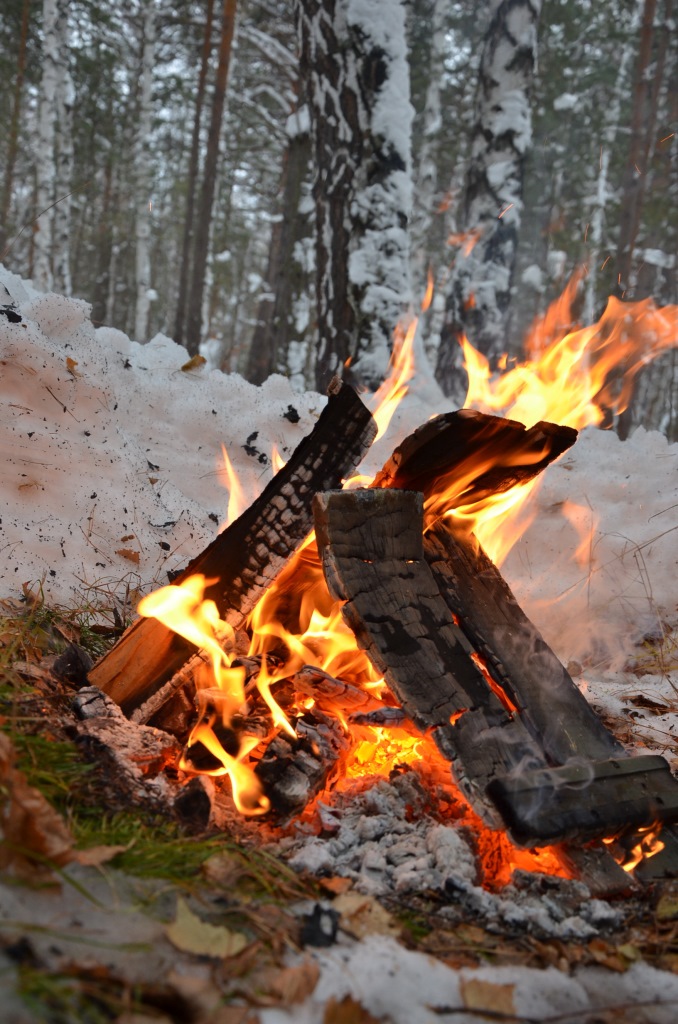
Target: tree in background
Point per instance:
(353, 62)
(492, 203)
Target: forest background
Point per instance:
(272, 182)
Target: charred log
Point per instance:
(246, 558)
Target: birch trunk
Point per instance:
(143, 177)
(45, 165)
(65, 98)
(492, 202)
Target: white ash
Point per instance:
(375, 845)
(373, 842)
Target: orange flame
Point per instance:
(237, 500)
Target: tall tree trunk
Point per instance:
(204, 215)
(143, 176)
(45, 167)
(13, 140)
(65, 99)
(480, 284)
(621, 88)
(275, 327)
(192, 179)
(353, 60)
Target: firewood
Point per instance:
(372, 552)
(294, 771)
(478, 453)
(246, 558)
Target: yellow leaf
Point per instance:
(193, 935)
(363, 915)
(194, 363)
(71, 367)
(477, 994)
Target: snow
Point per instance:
(566, 101)
(112, 476)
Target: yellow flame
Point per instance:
(237, 499)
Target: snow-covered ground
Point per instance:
(113, 474)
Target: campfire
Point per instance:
(340, 626)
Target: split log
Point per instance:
(246, 558)
(372, 555)
(551, 705)
(474, 453)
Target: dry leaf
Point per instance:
(477, 994)
(347, 1011)
(129, 554)
(223, 870)
(293, 984)
(667, 908)
(363, 915)
(71, 367)
(29, 823)
(96, 855)
(193, 935)
(194, 363)
(233, 1015)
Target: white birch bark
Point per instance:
(492, 205)
(597, 222)
(65, 98)
(45, 165)
(144, 176)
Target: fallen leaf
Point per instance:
(191, 934)
(233, 1015)
(194, 363)
(363, 915)
(293, 984)
(71, 367)
(96, 855)
(347, 1011)
(223, 870)
(477, 994)
(667, 908)
(29, 824)
(129, 554)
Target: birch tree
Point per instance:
(45, 165)
(64, 100)
(353, 60)
(13, 132)
(144, 175)
(492, 201)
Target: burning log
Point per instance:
(243, 560)
(489, 723)
(372, 549)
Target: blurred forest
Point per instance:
(249, 178)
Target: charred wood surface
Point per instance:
(249, 554)
(550, 704)
(294, 771)
(473, 452)
(371, 545)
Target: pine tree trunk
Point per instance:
(275, 327)
(192, 179)
(480, 285)
(204, 214)
(143, 177)
(12, 141)
(45, 167)
(356, 77)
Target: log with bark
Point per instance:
(242, 562)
